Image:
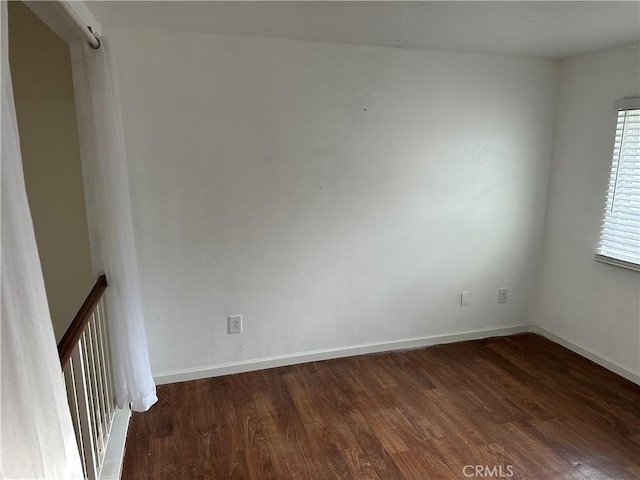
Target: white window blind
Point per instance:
(620, 235)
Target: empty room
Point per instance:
(320, 240)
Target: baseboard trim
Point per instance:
(584, 352)
(329, 353)
(114, 457)
(363, 349)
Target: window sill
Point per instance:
(617, 263)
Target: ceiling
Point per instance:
(535, 29)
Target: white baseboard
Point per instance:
(329, 353)
(113, 459)
(362, 349)
(584, 352)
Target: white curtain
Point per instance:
(109, 209)
(110, 217)
(36, 433)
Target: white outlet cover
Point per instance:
(465, 299)
(235, 323)
(503, 295)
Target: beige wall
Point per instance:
(43, 90)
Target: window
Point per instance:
(620, 235)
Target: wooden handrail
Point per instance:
(73, 333)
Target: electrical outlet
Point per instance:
(465, 299)
(502, 295)
(235, 323)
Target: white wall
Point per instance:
(593, 305)
(334, 195)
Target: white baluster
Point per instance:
(72, 398)
(84, 413)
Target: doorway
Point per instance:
(45, 107)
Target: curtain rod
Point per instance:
(86, 30)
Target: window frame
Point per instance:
(624, 104)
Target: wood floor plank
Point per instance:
(373, 449)
(520, 402)
(329, 460)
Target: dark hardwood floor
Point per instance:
(517, 407)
